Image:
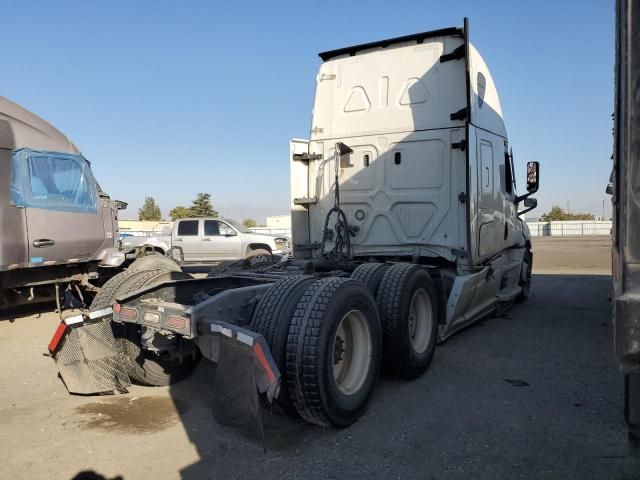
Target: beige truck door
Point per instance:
(64, 216)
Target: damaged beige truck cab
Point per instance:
(57, 225)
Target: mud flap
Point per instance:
(245, 370)
(87, 356)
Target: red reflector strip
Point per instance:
(176, 322)
(57, 336)
(128, 313)
(262, 359)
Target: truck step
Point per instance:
(304, 201)
(508, 294)
(306, 157)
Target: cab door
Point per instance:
(187, 237)
(490, 215)
(220, 241)
(62, 206)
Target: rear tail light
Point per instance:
(128, 313)
(178, 323)
(57, 336)
(151, 317)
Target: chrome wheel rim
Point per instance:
(420, 320)
(351, 352)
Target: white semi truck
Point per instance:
(405, 229)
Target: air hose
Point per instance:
(342, 244)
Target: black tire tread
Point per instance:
(370, 274)
(107, 293)
(269, 321)
(272, 303)
(154, 261)
(524, 296)
(305, 331)
(389, 299)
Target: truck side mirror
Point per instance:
(230, 232)
(533, 172)
(533, 178)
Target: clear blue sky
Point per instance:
(172, 98)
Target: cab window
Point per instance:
(508, 181)
(52, 181)
(188, 228)
(211, 228)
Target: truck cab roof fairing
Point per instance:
(486, 111)
(20, 128)
(417, 37)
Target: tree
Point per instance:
(150, 210)
(249, 223)
(558, 214)
(179, 212)
(201, 206)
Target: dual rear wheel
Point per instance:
(330, 336)
(325, 338)
(410, 311)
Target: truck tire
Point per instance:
(154, 261)
(370, 274)
(333, 352)
(143, 366)
(525, 277)
(225, 266)
(259, 258)
(107, 293)
(409, 311)
(272, 318)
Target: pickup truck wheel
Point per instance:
(333, 352)
(525, 277)
(154, 261)
(259, 258)
(143, 366)
(272, 318)
(370, 274)
(409, 312)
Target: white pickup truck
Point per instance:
(205, 240)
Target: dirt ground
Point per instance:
(533, 394)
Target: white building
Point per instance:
(279, 221)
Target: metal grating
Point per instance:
(90, 361)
